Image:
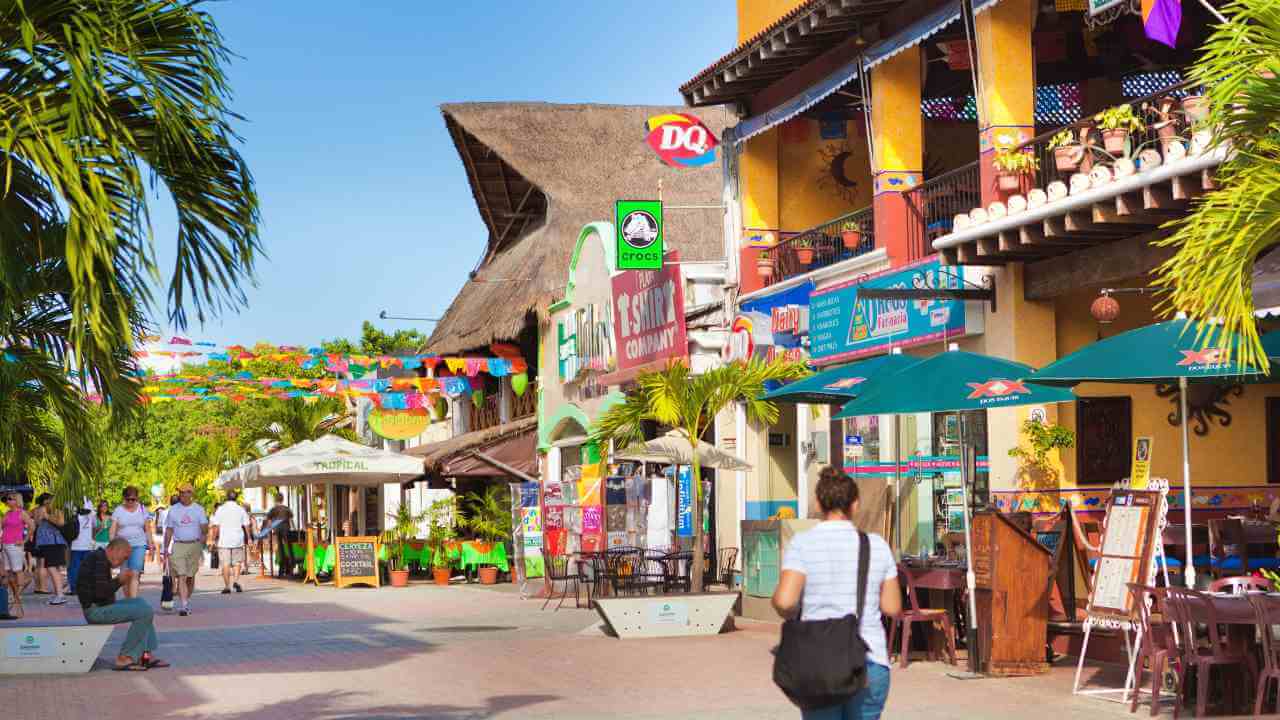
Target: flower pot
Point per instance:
(1114, 140)
(765, 269)
(1166, 129)
(399, 578)
(1067, 158)
(1008, 182)
(488, 576)
(1195, 107)
(851, 239)
(804, 255)
(441, 575)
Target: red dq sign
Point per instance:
(648, 322)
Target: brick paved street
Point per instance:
(284, 651)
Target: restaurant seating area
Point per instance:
(631, 572)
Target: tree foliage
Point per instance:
(374, 341)
(1211, 276)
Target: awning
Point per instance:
(815, 94)
(492, 452)
(980, 5)
(796, 295)
(914, 34)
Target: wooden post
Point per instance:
(311, 557)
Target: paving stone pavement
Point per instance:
(282, 651)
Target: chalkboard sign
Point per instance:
(1049, 539)
(356, 562)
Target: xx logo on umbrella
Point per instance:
(846, 383)
(1209, 357)
(997, 388)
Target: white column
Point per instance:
(801, 442)
(506, 399)
(740, 427)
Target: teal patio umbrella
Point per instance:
(1175, 351)
(955, 381)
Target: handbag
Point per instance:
(820, 663)
(213, 559)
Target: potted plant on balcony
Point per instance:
(803, 246)
(851, 235)
(1116, 123)
(1196, 108)
(440, 530)
(1011, 166)
(764, 264)
(488, 516)
(1068, 152)
(404, 527)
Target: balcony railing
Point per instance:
(845, 237)
(489, 414)
(932, 205)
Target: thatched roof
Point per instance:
(551, 169)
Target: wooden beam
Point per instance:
(1107, 212)
(464, 143)
(1009, 242)
(1097, 266)
(1033, 235)
(1057, 228)
(1159, 197)
(967, 254)
(1187, 187)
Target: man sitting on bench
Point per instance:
(96, 589)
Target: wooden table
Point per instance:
(942, 578)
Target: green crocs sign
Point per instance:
(639, 229)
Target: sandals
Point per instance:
(150, 662)
(131, 667)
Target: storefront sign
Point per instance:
(639, 228)
(398, 424)
(842, 327)
(586, 341)
(649, 315)
(681, 140)
(567, 342)
(684, 504)
(1140, 472)
(749, 331)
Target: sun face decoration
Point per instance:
(836, 167)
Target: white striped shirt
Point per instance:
(827, 556)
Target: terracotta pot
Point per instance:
(1195, 107)
(399, 578)
(1114, 140)
(488, 576)
(1166, 129)
(804, 255)
(441, 575)
(764, 268)
(1009, 182)
(1067, 158)
(851, 239)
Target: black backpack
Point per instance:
(821, 663)
(71, 528)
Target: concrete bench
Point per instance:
(30, 648)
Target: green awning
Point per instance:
(839, 385)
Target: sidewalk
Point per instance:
(282, 650)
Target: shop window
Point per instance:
(1273, 440)
(1104, 439)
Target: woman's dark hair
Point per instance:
(128, 491)
(836, 490)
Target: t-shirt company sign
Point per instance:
(649, 318)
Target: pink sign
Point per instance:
(648, 322)
(591, 519)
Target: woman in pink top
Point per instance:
(15, 526)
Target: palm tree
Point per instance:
(1211, 274)
(679, 399)
(295, 420)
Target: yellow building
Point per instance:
(879, 145)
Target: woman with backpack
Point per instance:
(836, 579)
(51, 547)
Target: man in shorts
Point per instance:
(186, 527)
(230, 533)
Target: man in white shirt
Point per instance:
(230, 532)
(186, 527)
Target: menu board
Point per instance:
(1128, 552)
(356, 562)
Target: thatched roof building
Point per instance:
(540, 172)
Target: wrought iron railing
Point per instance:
(932, 205)
(842, 238)
(489, 413)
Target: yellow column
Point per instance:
(759, 170)
(756, 15)
(1007, 98)
(898, 132)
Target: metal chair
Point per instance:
(1158, 648)
(559, 570)
(1241, 584)
(1228, 548)
(1267, 611)
(1189, 610)
(678, 566)
(936, 617)
(726, 561)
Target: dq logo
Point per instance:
(1212, 357)
(997, 389)
(681, 140)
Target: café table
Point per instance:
(945, 577)
(1236, 613)
(473, 554)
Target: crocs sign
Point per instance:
(681, 140)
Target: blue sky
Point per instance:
(364, 199)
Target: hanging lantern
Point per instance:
(1105, 309)
(519, 383)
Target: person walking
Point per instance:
(132, 522)
(819, 581)
(186, 528)
(15, 526)
(166, 546)
(230, 532)
(82, 545)
(157, 530)
(96, 589)
(102, 525)
(44, 503)
(280, 517)
(51, 547)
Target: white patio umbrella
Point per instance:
(674, 448)
(329, 460)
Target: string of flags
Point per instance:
(499, 365)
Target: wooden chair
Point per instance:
(1228, 548)
(1240, 585)
(1157, 649)
(936, 617)
(1267, 611)
(1189, 610)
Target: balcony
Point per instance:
(933, 205)
(489, 413)
(843, 238)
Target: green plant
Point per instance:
(1062, 139)
(440, 517)
(802, 241)
(765, 255)
(1043, 439)
(1015, 161)
(404, 527)
(1120, 117)
(488, 514)
(850, 226)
